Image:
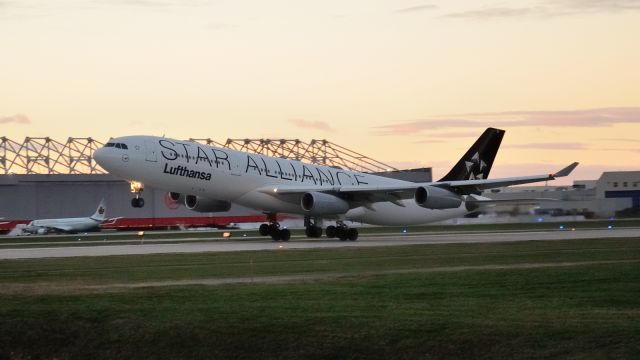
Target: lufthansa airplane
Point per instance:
(209, 179)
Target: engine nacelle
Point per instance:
(176, 197)
(431, 197)
(200, 204)
(317, 203)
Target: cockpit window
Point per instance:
(117, 146)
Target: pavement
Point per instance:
(304, 243)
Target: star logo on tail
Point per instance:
(475, 167)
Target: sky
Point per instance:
(409, 83)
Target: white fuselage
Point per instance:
(68, 224)
(234, 176)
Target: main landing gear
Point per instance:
(137, 188)
(313, 229)
(273, 229)
(342, 232)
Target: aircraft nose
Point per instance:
(105, 158)
(99, 155)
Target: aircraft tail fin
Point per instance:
(477, 161)
(101, 211)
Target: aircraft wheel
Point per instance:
(313, 231)
(330, 231)
(137, 202)
(273, 229)
(317, 231)
(342, 234)
(285, 234)
(264, 229)
(352, 234)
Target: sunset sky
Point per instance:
(410, 83)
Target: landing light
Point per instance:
(275, 190)
(226, 234)
(136, 186)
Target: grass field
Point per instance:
(555, 299)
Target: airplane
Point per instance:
(210, 179)
(68, 225)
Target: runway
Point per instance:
(304, 243)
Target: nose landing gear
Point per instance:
(137, 188)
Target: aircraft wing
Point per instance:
(480, 184)
(373, 193)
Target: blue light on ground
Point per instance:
(561, 227)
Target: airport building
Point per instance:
(614, 194)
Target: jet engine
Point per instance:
(431, 197)
(177, 197)
(200, 204)
(317, 203)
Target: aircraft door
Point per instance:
(150, 150)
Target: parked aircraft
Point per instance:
(210, 179)
(68, 225)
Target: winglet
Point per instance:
(566, 171)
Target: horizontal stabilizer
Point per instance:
(566, 171)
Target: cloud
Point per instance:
(316, 125)
(414, 9)
(548, 9)
(499, 12)
(601, 117)
(548, 146)
(601, 5)
(620, 140)
(15, 119)
(441, 137)
(154, 3)
(414, 127)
